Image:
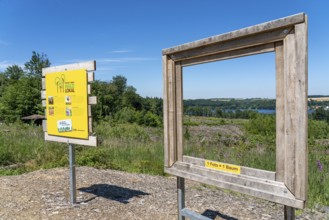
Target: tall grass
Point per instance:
(134, 148)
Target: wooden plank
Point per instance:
(43, 94)
(290, 110)
(230, 54)
(165, 110)
(92, 141)
(92, 100)
(301, 94)
(179, 111)
(44, 125)
(91, 76)
(89, 111)
(280, 117)
(172, 112)
(236, 44)
(43, 81)
(248, 181)
(253, 30)
(89, 89)
(262, 174)
(277, 192)
(88, 65)
(90, 124)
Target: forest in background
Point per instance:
(117, 101)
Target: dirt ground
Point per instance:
(108, 194)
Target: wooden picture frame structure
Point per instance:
(287, 37)
(89, 66)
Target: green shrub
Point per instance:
(261, 124)
(318, 129)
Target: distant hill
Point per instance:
(315, 101)
(233, 103)
(318, 96)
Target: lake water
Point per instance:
(264, 111)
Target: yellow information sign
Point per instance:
(222, 167)
(67, 104)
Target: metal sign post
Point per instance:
(72, 174)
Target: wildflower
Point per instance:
(320, 167)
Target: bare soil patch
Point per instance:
(109, 194)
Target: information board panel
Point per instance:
(67, 104)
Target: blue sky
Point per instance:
(126, 38)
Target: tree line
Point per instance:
(117, 101)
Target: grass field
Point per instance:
(133, 148)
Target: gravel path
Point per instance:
(109, 194)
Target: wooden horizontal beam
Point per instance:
(266, 48)
(234, 44)
(262, 174)
(267, 26)
(91, 141)
(260, 188)
(88, 65)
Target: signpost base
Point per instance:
(289, 213)
(180, 197)
(72, 174)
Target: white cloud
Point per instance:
(123, 60)
(5, 63)
(120, 51)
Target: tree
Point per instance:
(14, 73)
(36, 63)
(21, 96)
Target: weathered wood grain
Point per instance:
(172, 112)
(43, 94)
(236, 44)
(301, 158)
(90, 76)
(230, 54)
(280, 116)
(290, 76)
(92, 140)
(253, 30)
(265, 189)
(88, 65)
(92, 100)
(262, 174)
(165, 110)
(179, 110)
(43, 82)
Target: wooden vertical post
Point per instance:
(301, 110)
(290, 110)
(179, 113)
(172, 128)
(280, 117)
(165, 110)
